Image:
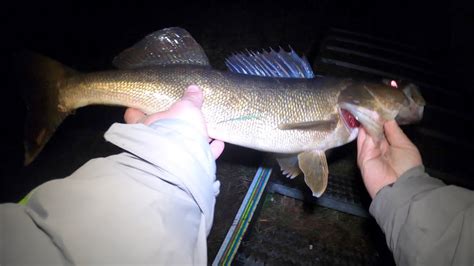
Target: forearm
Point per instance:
(153, 204)
(426, 221)
(182, 157)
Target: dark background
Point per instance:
(86, 36)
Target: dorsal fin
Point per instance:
(168, 46)
(280, 64)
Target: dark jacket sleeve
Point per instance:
(425, 221)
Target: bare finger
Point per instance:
(395, 134)
(217, 147)
(360, 139)
(368, 150)
(133, 116)
(193, 94)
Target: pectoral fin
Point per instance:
(322, 125)
(289, 165)
(315, 170)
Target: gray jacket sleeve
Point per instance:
(425, 221)
(153, 204)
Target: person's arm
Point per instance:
(153, 204)
(425, 222)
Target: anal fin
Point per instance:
(315, 169)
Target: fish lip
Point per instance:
(411, 114)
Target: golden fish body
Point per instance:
(243, 110)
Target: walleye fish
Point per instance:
(269, 101)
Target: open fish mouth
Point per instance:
(356, 116)
(350, 120)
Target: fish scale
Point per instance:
(231, 117)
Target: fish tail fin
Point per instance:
(42, 79)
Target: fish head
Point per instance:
(372, 104)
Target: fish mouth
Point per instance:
(410, 114)
(356, 116)
(413, 111)
(350, 121)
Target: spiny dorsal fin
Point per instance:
(168, 46)
(279, 64)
